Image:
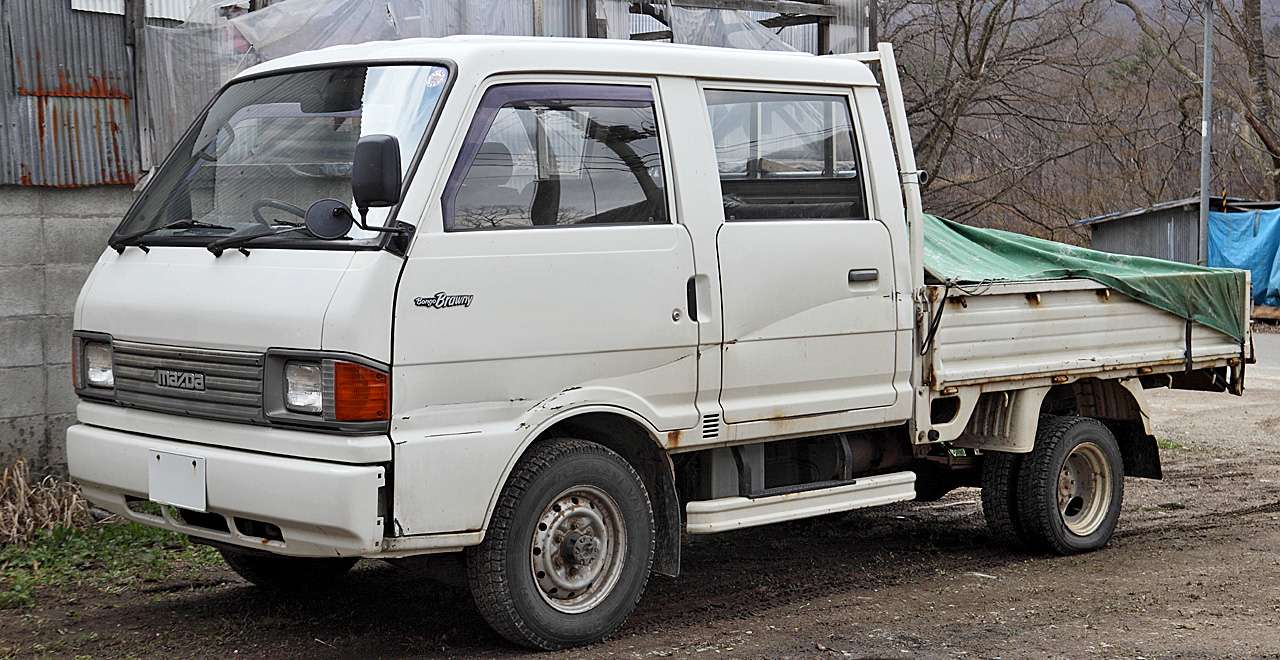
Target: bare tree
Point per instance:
(989, 100)
(1243, 78)
(1031, 114)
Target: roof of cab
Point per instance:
(494, 55)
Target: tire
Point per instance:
(1000, 498)
(523, 585)
(1071, 486)
(281, 573)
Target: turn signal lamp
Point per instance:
(360, 394)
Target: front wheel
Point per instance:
(1071, 486)
(568, 550)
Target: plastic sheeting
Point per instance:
(1250, 241)
(969, 255)
(297, 25)
(186, 66)
(727, 28)
(220, 39)
(190, 63)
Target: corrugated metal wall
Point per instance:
(67, 116)
(66, 111)
(174, 10)
(1164, 234)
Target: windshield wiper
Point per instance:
(122, 242)
(219, 246)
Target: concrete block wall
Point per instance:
(49, 241)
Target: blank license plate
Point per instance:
(176, 479)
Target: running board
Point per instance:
(730, 513)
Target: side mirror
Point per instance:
(375, 171)
(329, 219)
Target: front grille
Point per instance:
(231, 380)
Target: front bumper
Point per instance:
(322, 509)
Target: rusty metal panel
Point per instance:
(61, 52)
(66, 112)
(77, 141)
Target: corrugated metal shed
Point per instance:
(1169, 230)
(66, 97)
(1166, 231)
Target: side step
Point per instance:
(730, 513)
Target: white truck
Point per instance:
(594, 296)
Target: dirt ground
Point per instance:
(1193, 572)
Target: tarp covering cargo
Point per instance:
(970, 255)
(1249, 240)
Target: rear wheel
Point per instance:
(568, 550)
(1000, 497)
(281, 573)
(1071, 486)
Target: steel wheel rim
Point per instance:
(577, 549)
(1084, 489)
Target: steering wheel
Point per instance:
(275, 204)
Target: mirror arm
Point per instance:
(364, 224)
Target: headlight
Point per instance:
(303, 390)
(329, 390)
(97, 365)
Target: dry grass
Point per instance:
(27, 508)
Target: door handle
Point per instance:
(691, 293)
(863, 275)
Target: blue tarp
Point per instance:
(1249, 241)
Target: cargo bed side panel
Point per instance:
(1032, 330)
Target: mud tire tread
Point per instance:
(1037, 483)
(1000, 498)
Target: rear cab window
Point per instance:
(786, 155)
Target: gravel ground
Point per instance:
(1193, 572)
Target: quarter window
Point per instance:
(556, 155)
(785, 155)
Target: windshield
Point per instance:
(270, 147)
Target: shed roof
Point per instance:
(1232, 203)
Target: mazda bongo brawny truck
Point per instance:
(553, 304)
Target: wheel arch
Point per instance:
(1007, 420)
(634, 439)
(1121, 406)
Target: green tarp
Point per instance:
(968, 255)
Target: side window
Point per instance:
(785, 156)
(558, 154)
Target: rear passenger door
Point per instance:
(806, 278)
